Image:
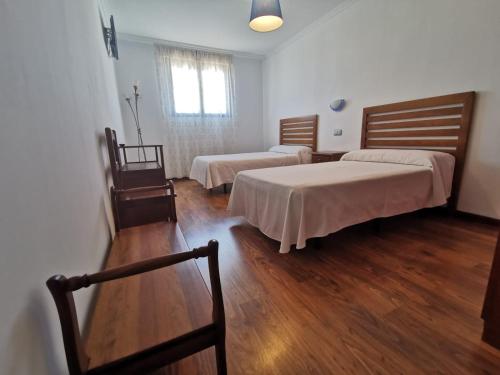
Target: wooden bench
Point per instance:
(139, 312)
(140, 193)
(145, 205)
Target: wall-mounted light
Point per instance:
(337, 105)
(266, 15)
(109, 34)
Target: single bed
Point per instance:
(412, 158)
(298, 139)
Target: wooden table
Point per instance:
(327, 156)
(141, 311)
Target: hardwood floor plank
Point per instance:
(404, 301)
(141, 311)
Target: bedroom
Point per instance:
(410, 290)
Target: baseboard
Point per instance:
(94, 294)
(443, 210)
(477, 218)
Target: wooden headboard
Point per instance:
(439, 123)
(300, 131)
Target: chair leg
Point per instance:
(115, 208)
(173, 211)
(220, 354)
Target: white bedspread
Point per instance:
(292, 204)
(214, 170)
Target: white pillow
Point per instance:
(303, 152)
(441, 164)
(422, 158)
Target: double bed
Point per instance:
(298, 138)
(412, 157)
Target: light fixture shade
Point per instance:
(266, 15)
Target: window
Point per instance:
(186, 90)
(197, 100)
(199, 88)
(214, 91)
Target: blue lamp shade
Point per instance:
(337, 105)
(266, 15)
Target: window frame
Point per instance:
(202, 113)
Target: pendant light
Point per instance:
(266, 15)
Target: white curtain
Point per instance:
(208, 132)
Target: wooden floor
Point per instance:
(139, 312)
(404, 301)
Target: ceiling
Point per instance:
(221, 24)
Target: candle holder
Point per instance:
(134, 108)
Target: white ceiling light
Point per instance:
(266, 15)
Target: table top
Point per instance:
(329, 152)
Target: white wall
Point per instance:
(137, 63)
(379, 51)
(57, 93)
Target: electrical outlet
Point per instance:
(337, 132)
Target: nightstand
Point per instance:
(326, 156)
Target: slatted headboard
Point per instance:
(439, 123)
(300, 131)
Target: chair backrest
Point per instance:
(114, 155)
(62, 289)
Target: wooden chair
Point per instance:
(141, 193)
(157, 356)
